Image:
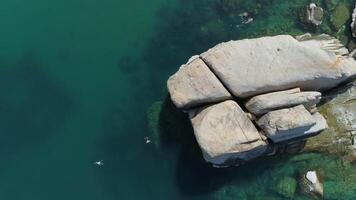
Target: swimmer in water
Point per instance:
(99, 163)
(147, 140)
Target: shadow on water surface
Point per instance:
(32, 106)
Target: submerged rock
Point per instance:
(311, 185)
(264, 103)
(314, 14)
(195, 84)
(226, 135)
(286, 63)
(340, 16)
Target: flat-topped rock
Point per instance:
(225, 134)
(255, 66)
(286, 124)
(264, 103)
(195, 84)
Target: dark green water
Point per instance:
(77, 79)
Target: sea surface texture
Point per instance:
(85, 80)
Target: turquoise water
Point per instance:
(77, 79)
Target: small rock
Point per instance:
(311, 185)
(287, 124)
(353, 25)
(314, 14)
(306, 36)
(354, 142)
(264, 103)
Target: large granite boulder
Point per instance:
(263, 70)
(265, 103)
(289, 123)
(254, 66)
(226, 135)
(195, 84)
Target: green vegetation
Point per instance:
(286, 187)
(340, 16)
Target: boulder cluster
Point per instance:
(255, 97)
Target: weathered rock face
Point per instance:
(287, 124)
(340, 113)
(285, 63)
(225, 134)
(353, 25)
(195, 84)
(325, 42)
(262, 104)
(314, 14)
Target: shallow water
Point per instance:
(77, 79)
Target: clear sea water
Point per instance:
(77, 78)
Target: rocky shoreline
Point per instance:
(256, 97)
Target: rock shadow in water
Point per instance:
(32, 106)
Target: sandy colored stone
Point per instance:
(195, 84)
(255, 66)
(225, 134)
(265, 103)
(287, 124)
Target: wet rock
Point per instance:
(285, 187)
(314, 64)
(286, 124)
(314, 14)
(340, 113)
(265, 103)
(225, 134)
(195, 84)
(353, 25)
(340, 16)
(310, 184)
